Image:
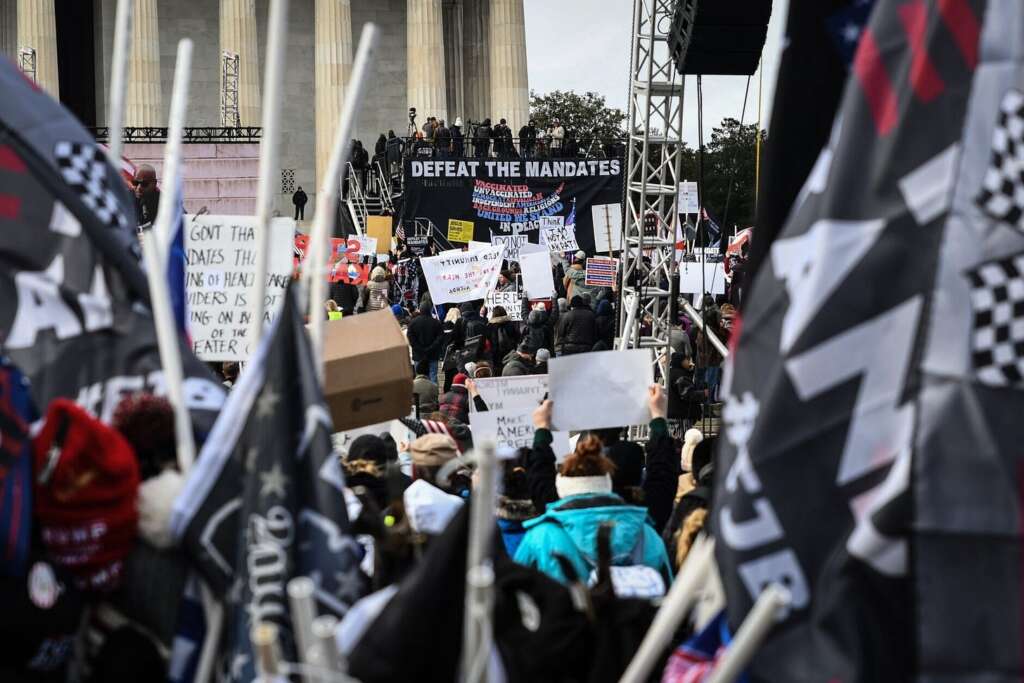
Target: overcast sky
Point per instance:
(584, 45)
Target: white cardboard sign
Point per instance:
(607, 227)
(513, 394)
(560, 239)
(220, 254)
(689, 201)
(454, 278)
(538, 282)
(600, 389)
(691, 281)
(367, 245)
(514, 430)
(510, 300)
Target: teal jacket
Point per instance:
(569, 527)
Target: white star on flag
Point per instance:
(273, 481)
(267, 403)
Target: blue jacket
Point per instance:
(569, 527)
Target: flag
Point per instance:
(570, 220)
(712, 231)
(265, 501)
(176, 265)
(871, 460)
(695, 660)
(821, 38)
(74, 306)
(16, 413)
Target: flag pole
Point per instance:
(675, 606)
(154, 250)
(270, 154)
(757, 151)
(317, 254)
(752, 632)
(118, 81)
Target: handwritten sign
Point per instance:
(510, 245)
(510, 300)
(220, 253)
(514, 430)
(460, 231)
(560, 239)
(367, 245)
(601, 271)
(512, 394)
(689, 200)
(456, 278)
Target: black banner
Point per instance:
(511, 197)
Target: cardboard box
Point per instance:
(367, 371)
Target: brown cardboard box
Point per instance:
(367, 371)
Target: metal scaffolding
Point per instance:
(27, 63)
(652, 180)
(229, 116)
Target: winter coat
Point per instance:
(538, 332)
(569, 528)
(470, 324)
(299, 198)
(455, 404)
(425, 333)
(604, 319)
(511, 514)
(426, 393)
(662, 477)
(346, 295)
(393, 152)
(575, 281)
(376, 296)
(503, 334)
(516, 366)
(577, 332)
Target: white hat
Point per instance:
(458, 121)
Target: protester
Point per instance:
(556, 134)
(365, 464)
(541, 359)
(528, 139)
(299, 199)
(604, 321)
(577, 329)
(519, 361)
(575, 279)
(538, 330)
(424, 388)
(374, 295)
(455, 402)
(514, 504)
(393, 153)
(429, 502)
(442, 140)
(569, 526)
(425, 335)
(482, 140)
(502, 336)
(333, 312)
(147, 194)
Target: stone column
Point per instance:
(476, 63)
(425, 54)
(510, 89)
(454, 83)
(332, 68)
(9, 29)
(37, 28)
(238, 35)
(144, 99)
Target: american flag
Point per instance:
(601, 271)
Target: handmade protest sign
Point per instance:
(514, 430)
(510, 300)
(460, 231)
(600, 389)
(607, 227)
(693, 281)
(538, 281)
(513, 393)
(220, 253)
(379, 227)
(367, 245)
(560, 239)
(689, 201)
(601, 271)
(456, 278)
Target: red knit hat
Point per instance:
(459, 380)
(86, 484)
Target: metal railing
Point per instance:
(469, 147)
(355, 198)
(192, 134)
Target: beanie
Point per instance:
(433, 450)
(543, 355)
(368, 447)
(460, 380)
(86, 488)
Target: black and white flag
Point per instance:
(74, 311)
(265, 500)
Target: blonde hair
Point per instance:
(452, 316)
(331, 305)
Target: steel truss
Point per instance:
(653, 168)
(229, 115)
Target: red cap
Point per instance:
(459, 380)
(87, 481)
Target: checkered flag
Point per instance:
(997, 340)
(1002, 190)
(84, 167)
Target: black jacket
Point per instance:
(527, 135)
(346, 295)
(299, 198)
(538, 331)
(540, 471)
(576, 332)
(503, 334)
(662, 478)
(424, 334)
(393, 151)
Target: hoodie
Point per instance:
(569, 527)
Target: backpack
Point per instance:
(506, 344)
